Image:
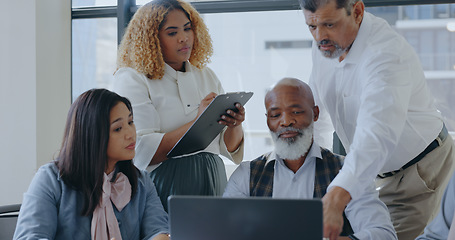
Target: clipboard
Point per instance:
(206, 126)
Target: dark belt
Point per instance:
(441, 137)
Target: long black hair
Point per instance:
(83, 155)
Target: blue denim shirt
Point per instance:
(52, 210)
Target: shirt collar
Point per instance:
(173, 73)
(360, 41)
(187, 86)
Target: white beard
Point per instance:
(296, 147)
(336, 53)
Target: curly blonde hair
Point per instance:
(140, 47)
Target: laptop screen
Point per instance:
(217, 218)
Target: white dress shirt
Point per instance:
(368, 216)
(163, 105)
(378, 102)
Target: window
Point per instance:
(425, 11)
(254, 49)
(409, 12)
(94, 53)
(242, 62)
(92, 3)
(142, 2)
(442, 11)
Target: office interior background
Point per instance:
(53, 50)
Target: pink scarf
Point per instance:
(104, 222)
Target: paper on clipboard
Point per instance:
(206, 127)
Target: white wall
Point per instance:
(35, 81)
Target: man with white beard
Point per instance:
(299, 168)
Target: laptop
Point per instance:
(261, 218)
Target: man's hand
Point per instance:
(334, 202)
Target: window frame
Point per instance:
(125, 9)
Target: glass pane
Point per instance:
(425, 11)
(253, 50)
(452, 51)
(442, 51)
(93, 3)
(390, 14)
(142, 2)
(409, 12)
(94, 50)
(427, 53)
(442, 10)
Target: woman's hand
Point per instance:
(171, 138)
(233, 119)
(205, 102)
(234, 133)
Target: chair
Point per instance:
(8, 219)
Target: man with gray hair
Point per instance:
(369, 85)
(299, 168)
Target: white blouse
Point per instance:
(162, 105)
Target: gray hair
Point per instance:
(313, 5)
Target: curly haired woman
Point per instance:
(162, 69)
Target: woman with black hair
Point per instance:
(92, 190)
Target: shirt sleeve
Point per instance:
(439, 228)
(237, 155)
(38, 213)
(155, 219)
(381, 116)
(132, 85)
(238, 184)
(369, 217)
